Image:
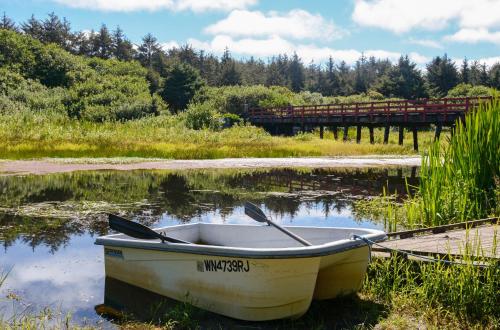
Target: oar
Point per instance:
(134, 229)
(254, 212)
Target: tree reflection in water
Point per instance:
(49, 209)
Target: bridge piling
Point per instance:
(335, 132)
(358, 134)
(372, 139)
(346, 133)
(415, 138)
(401, 135)
(321, 131)
(386, 134)
(439, 127)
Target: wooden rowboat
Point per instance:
(248, 272)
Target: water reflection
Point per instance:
(48, 223)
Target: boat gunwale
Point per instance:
(245, 252)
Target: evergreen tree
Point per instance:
(103, 43)
(7, 23)
(403, 80)
(296, 74)
(147, 49)
(229, 75)
(56, 31)
(345, 83)
(331, 86)
(82, 44)
(122, 48)
(483, 76)
(442, 75)
(495, 76)
(33, 28)
(475, 73)
(181, 84)
(465, 72)
(273, 75)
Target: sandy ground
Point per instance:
(46, 166)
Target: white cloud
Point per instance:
(169, 45)
(490, 61)
(274, 45)
(426, 43)
(154, 5)
(473, 35)
(297, 24)
(404, 15)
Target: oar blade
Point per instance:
(132, 229)
(254, 212)
(136, 230)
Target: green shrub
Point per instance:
(463, 90)
(202, 116)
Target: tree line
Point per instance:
(185, 66)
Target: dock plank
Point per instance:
(481, 241)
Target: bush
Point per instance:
(464, 90)
(19, 94)
(202, 116)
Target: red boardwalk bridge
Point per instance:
(409, 114)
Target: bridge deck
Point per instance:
(445, 111)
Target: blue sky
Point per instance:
(314, 29)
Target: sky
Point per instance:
(314, 29)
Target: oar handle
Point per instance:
(289, 233)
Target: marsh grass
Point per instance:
(36, 136)
(467, 292)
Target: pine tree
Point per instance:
(147, 49)
(181, 84)
(442, 76)
(33, 28)
(403, 80)
(465, 72)
(296, 73)
(122, 48)
(331, 86)
(7, 23)
(229, 75)
(495, 76)
(104, 43)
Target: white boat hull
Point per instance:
(252, 287)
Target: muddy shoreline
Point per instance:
(47, 166)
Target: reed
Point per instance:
(460, 182)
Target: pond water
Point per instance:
(48, 224)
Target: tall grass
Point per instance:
(28, 135)
(460, 182)
(465, 292)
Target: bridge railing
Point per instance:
(405, 107)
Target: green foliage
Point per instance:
(463, 186)
(463, 90)
(442, 75)
(19, 95)
(467, 291)
(181, 85)
(94, 89)
(402, 80)
(202, 116)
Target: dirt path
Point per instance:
(46, 166)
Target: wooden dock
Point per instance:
(480, 238)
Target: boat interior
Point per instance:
(252, 236)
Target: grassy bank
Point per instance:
(458, 182)
(36, 136)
